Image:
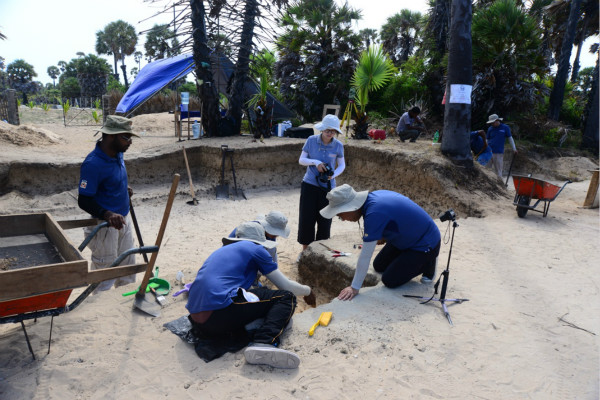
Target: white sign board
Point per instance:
(460, 94)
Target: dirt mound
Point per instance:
(27, 135)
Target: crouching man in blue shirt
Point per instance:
(221, 300)
(412, 238)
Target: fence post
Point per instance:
(13, 108)
(105, 107)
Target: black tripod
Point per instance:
(447, 216)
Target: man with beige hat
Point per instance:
(496, 135)
(222, 302)
(411, 237)
(104, 193)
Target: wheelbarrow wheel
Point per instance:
(522, 211)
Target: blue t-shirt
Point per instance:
(224, 271)
(400, 221)
(328, 154)
(105, 179)
(496, 137)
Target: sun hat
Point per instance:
(329, 122)
(493, 118)
(252, 232)
(116, 124)
(343, 199)
(275, 223)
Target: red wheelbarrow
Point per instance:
(528, 188)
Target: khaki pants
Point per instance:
(497, 163)
(106, 246)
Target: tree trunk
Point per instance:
(590, 127)
(575, 70)
(124, 69)
(558, 91)
(457, 114)
(206, 90)
(242, 67)
(116, 68)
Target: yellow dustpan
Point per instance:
(323, 320)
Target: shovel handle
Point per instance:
(161, 233)
(187, 166)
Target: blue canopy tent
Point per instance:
(156, 75)
(152, 79)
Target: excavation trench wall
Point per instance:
(425, 176)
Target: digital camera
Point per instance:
(324, 176)
(448, 215)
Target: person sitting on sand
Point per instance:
(413, 239)
(275, 224)
(221, 301)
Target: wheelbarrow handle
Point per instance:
(89, 238)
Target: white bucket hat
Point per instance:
(252, 232)
(275, 223)
(329, 122)
(493, 118)
(343, 199)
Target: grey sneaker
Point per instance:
(261, 353)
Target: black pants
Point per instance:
(411, 134)
(400, 266)
(275, 306)
(312, 200)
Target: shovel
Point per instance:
(237, 193)
(143, 301)
(223, 189)
(323, 321)
(194, 201)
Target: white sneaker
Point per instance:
(261, 353)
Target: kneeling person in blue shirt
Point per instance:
(479, 146)
(412, 238)
(221, 300)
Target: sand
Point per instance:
(529, 330)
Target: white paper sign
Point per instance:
(460, 94)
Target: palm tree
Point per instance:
(457, 114)
(317, 53)
(206, 89)
(53, 73)
(62, 65)
(373, 71)
(506, 46)
(558, 90)
(137, 56)
(369, 36)
(161, 42)
(399, 35)
(119, 40)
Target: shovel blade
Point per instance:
(222, 192)
(147, 304)
(238, 194)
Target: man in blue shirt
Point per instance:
(104, 193)
(412, 238)
(496, 135)
(221, 301)
(479, 146)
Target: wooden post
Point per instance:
(591, 199)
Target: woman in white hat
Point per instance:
(323, 155)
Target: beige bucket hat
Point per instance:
(343, 199)
(275, 223)
(252, 232)
(493, 118)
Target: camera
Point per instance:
(448, 215)
(324, 176)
